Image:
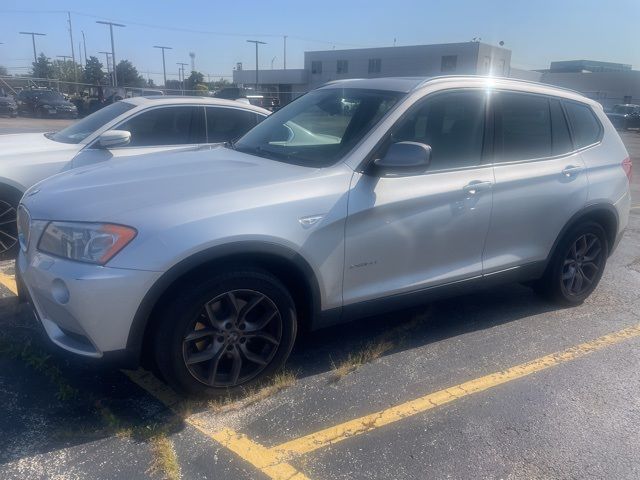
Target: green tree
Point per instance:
(150, 83)
(63, 70)
(192, 80)
(93, 73)
(42, 67)
(3, 71)
(128, 75)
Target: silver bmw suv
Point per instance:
(359, 197)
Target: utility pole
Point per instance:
(84, 43)
(257, 42)
(285, 52)
(73, 52)
(181, 68)
(113, 49)
(33, 39)
(164, 68)
(106, 55)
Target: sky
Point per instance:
(537, 32)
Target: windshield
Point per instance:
(624, 109)
(319, 128)
(78, 131)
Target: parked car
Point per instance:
(624, 117)
(207, 263)
(270, 102)
(8, 105)
(45, 103)
(130, 127)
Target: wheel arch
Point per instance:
(287, 265)
(11, 187)
(604, 214)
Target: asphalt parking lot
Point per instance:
(498, 384)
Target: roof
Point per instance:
(180, 100)
(409, 84)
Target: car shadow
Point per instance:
(57, 401)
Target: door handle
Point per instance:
(571, 170)
(473, 188)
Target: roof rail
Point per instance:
(511, 79)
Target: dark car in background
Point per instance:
(625, 116)
(45, 103)
(8, 105)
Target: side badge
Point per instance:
(310, 220)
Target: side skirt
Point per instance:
(402, 301)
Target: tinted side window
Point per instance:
(561, 139)
(166, 126)
(228, 124)
(452, 124)
(523, 127)
(585, 126)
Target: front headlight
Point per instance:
(85, 242)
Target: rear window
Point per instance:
(584, 125)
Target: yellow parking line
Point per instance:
(343, 431)
(9, 282)
(260, 457)
(254, 453)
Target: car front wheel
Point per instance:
(225, 333)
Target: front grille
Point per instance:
(24, 227)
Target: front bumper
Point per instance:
(85, 309)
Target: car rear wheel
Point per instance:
(576, 266)
(226, 333)
(8, 226)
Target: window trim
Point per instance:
(487, 143)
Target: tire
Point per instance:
(264, 313)
(576, 267)
(9, 245)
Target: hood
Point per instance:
(212, 179)
(20, 147)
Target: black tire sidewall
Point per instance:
(180, 313)
(555, 278)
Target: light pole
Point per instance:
(181, 69)
(106, 55)
(33, 39)
(257, 42)
(84, 43)
(164, 68)
(285, 52)
(113, 49)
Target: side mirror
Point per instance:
(114, 138)
(403, 158)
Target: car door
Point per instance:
(408, 233)
(540, 180)
(226, 124)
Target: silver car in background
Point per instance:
(360, 197)
(130, 127)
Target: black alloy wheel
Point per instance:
(232, 339)
(582, 265)
(224, 331)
